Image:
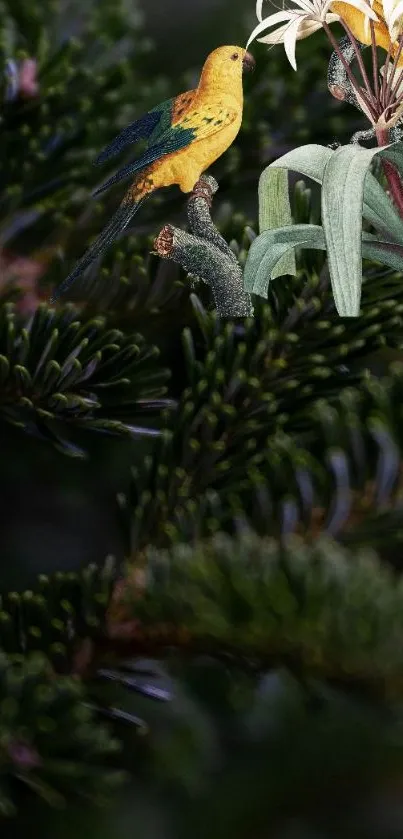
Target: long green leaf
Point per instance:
(394, 153)
(388, 253)
(342, 205)
(349, 191)
(271, 245)
(379, 210)
(275, 212)
(268, 248)
(311, 161)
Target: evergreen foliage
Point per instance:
(317, 607)
(50, 744)
(241, 664)
(57, 372)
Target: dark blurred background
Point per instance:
(197, 26)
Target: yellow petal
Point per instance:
(355, 20)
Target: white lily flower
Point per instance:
(301, 20)
(393, 12)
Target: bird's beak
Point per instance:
(248, 63)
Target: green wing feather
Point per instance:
(180, 140)
(146, 127)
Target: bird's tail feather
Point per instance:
(115, 226)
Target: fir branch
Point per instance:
(319, 609)
(50, 743)
(57, 372)
(252, 440)
(138, 291)
(57, 614)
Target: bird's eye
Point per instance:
(234, 56)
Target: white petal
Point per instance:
(364, 7)
(259, 9)
(307, 6)
(278, 17)
(308, 27)
(388, 6)
(397, 12)
(276, 37)
(290, 41)
(303, 11)
(329, 16)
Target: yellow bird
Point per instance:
(185, 136)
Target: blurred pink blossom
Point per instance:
(28, 85)
(23, 273)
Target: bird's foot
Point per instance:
(202, 189)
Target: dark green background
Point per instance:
(197, 26)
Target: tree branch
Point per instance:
(205, 253)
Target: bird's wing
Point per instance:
(149, 126)
(150, 155)
(205, 119)
(190, 126)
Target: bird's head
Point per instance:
(227, 64)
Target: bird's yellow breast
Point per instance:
(185, 166)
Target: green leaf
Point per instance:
(275, 212)
(310, 160)
(394, 153)
(342, 206)
(379, 210)
(269, 248)
(349, 191)
(389, 253)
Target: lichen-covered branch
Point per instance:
(200, 220)
(203, 252)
